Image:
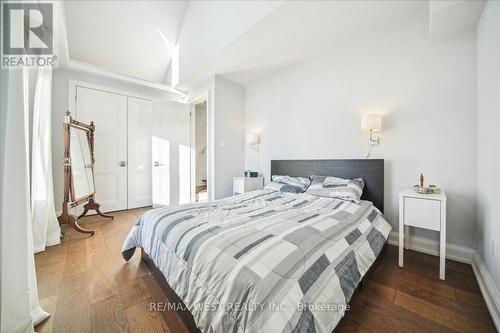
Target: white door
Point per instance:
(108, 111)
(161, 171)
(139, 152)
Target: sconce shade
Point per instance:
(252, 138)
(371, 122)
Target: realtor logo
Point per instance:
(27, 33)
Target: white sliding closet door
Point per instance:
(109, 113)
(140, 115)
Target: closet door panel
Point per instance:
(139, 152)
(108, 111)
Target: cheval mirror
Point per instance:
(79, 184)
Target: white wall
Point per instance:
(171, 122)
(229, 134)
(170, 119)
(488, 138)
(226, 133)
(426, 91)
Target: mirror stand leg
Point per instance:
(77, 227)
(85, 211)
(95, 206)
(67, 218)
(98, 211)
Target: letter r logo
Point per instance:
(27, 28)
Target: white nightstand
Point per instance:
(247, 184)
(427, 211)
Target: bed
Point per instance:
(267, 261)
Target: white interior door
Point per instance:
(139, 152)
(161, 172)
(108, 111)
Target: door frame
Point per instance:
(203, 96)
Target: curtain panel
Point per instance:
(19, 306)
(46, 230)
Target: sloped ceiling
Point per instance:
(239, 40)
(124, 36)
(297, 30)
(449, 18)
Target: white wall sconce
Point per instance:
(253, 140)
(372, 123)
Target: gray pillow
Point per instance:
(300, 182)
(275, 186)
(339, 188)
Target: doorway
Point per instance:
(199, 137)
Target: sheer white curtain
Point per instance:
(46, 230)
(19, 308)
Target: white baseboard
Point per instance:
(488, 288)
(430, 246)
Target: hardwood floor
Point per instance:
(87, 287)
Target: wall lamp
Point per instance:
(372, 123)
(253, 140)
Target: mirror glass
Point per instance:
(81, 164)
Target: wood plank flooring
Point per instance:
(87, 287)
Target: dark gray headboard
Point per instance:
(372, 171)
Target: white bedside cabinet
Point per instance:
(427, 211)
(247, 184)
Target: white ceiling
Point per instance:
(123, 36)
(449, 18)
(298, 30)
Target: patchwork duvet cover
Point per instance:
(263, 261)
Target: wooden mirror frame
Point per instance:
(69, 192)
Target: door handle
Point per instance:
(123, 164)
(157, 164)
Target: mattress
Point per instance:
(263, 261)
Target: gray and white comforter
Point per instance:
(264, 261)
